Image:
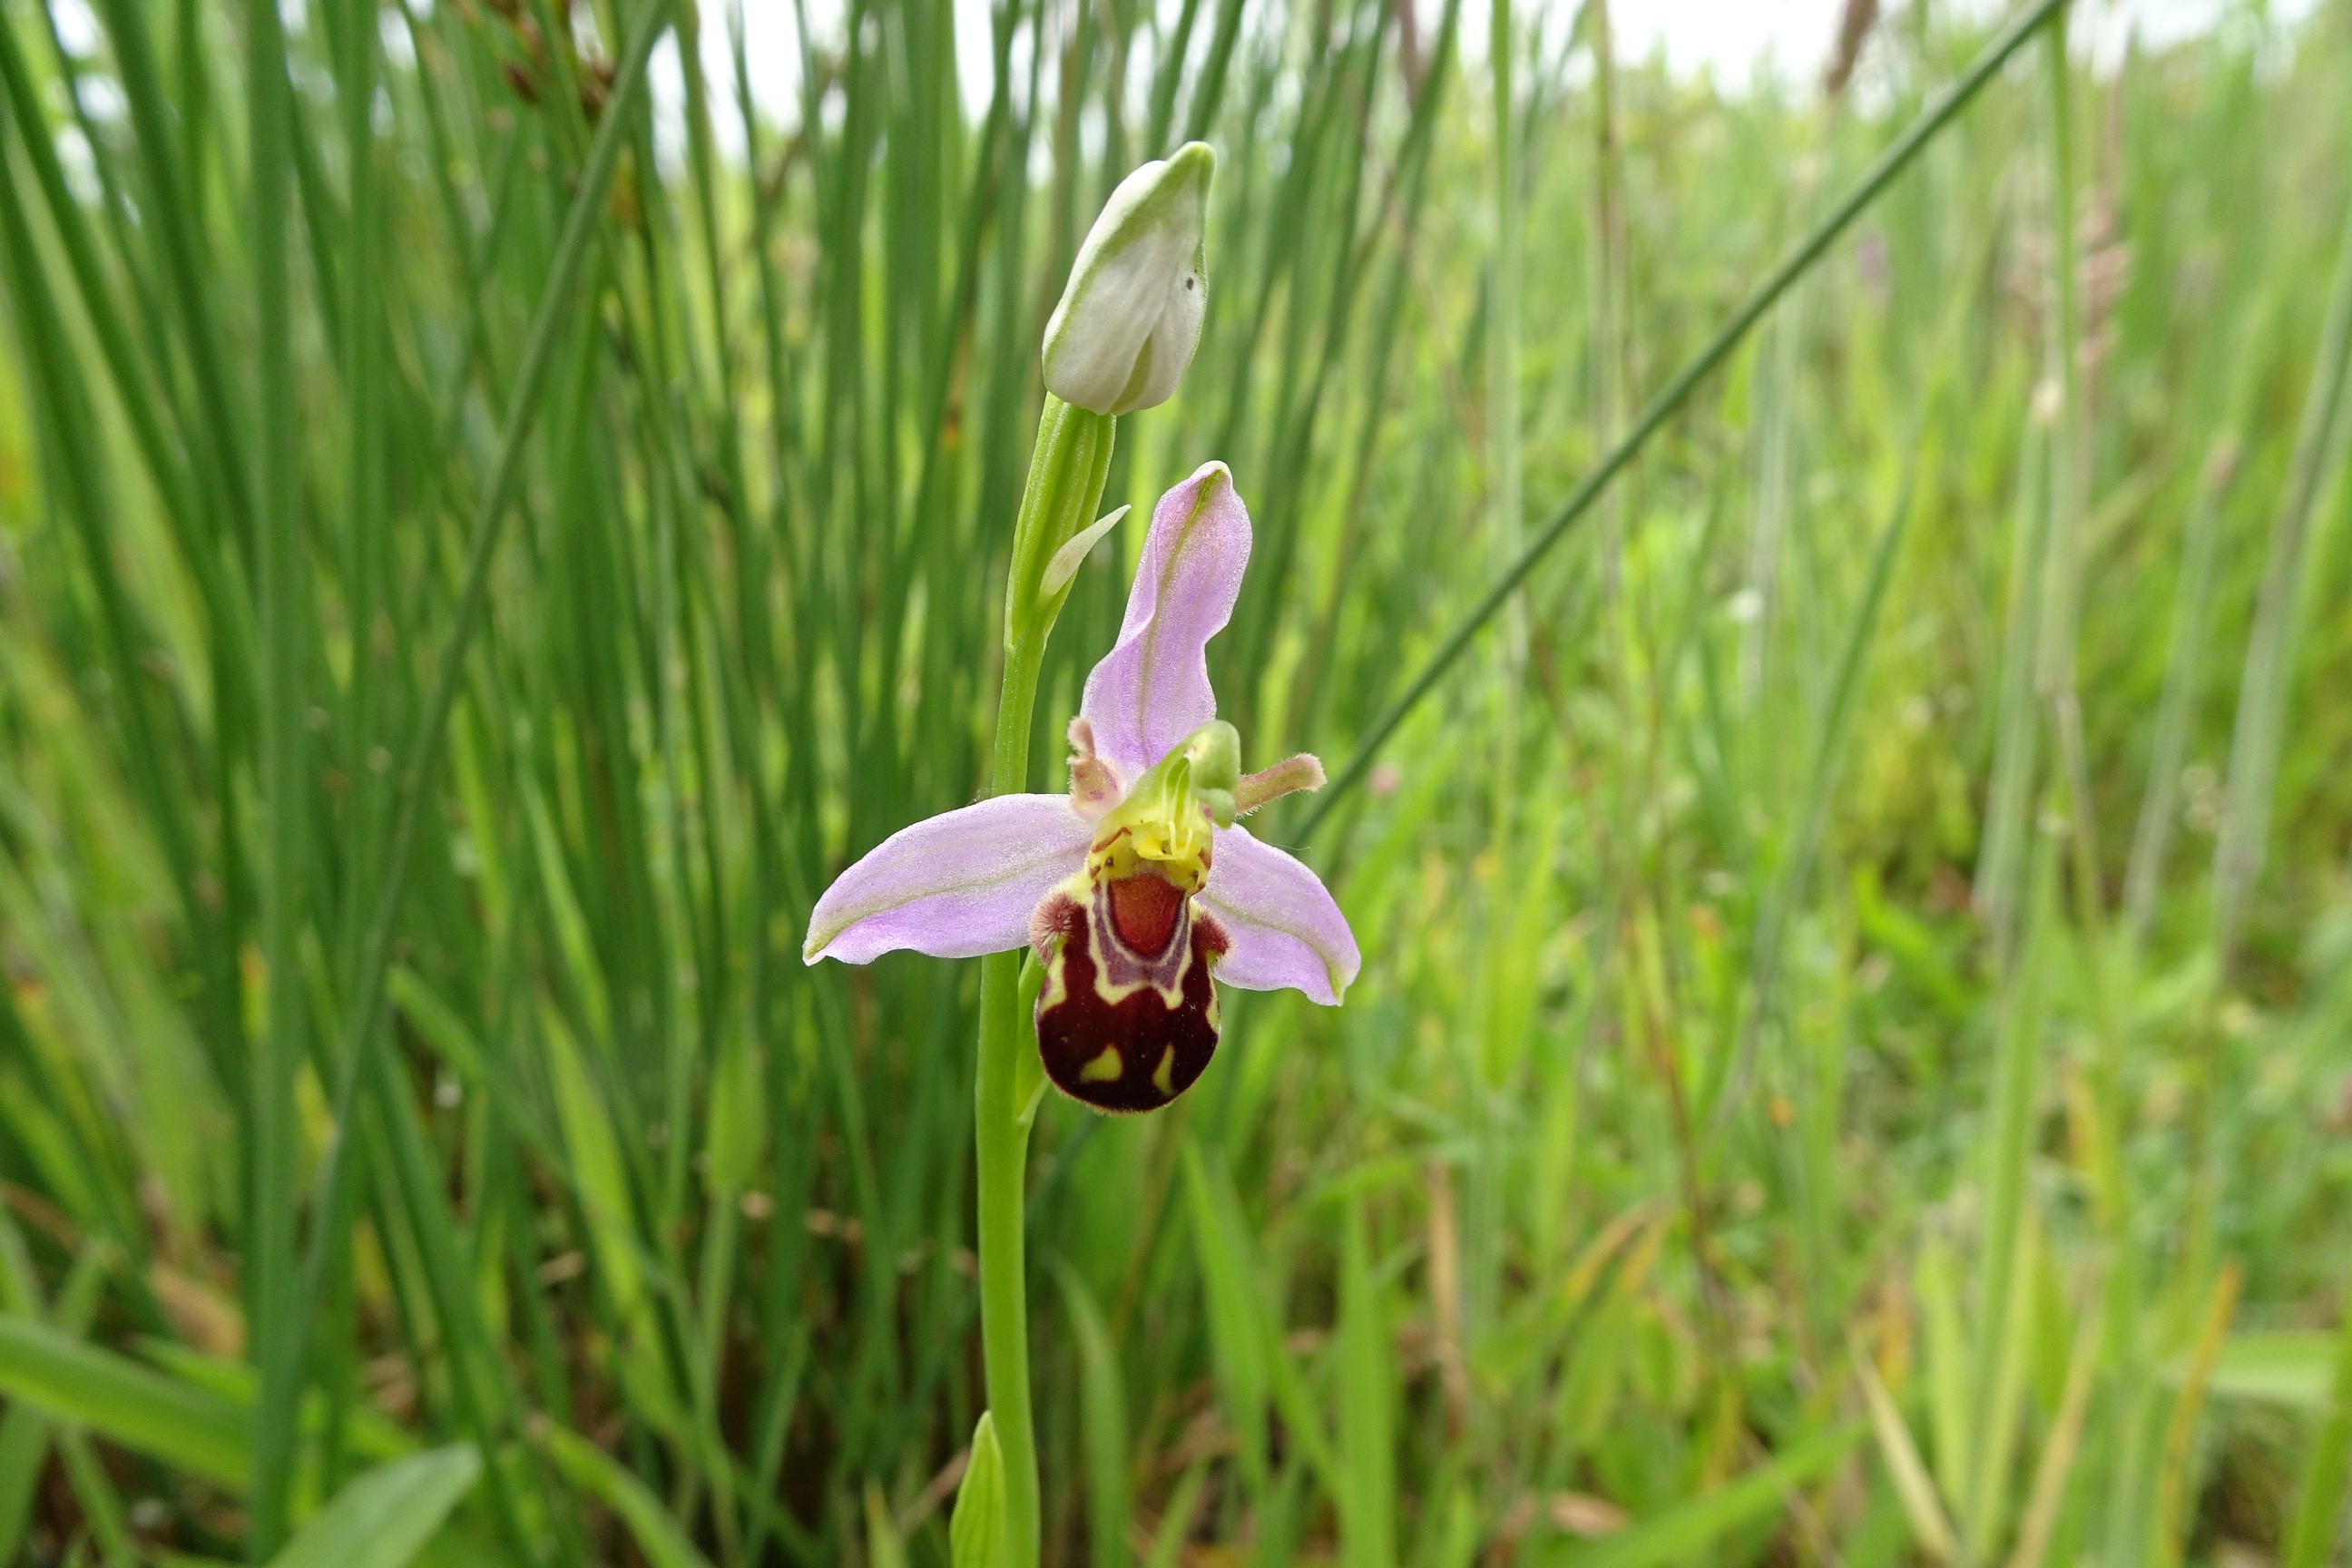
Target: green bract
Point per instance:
(1067, 473)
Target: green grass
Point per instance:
(1842, 792)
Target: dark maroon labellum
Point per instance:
(1128, 1017)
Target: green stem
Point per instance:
(1001, 1137)
(1066, 483)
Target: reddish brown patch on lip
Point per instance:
(1137, 1053)
(1143, 910)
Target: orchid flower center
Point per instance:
(1126, 1014)
(1163, 829)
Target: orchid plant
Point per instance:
(1137, 891)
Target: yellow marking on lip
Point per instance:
(1106, 1067)
(1163, 1077)
(1054, 990)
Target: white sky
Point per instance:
(1730, 39)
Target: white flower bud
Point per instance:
(1131, 316)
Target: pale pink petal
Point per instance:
(955, 886)
(1153, 689)
(1286, 929)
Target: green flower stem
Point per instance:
(1001, 1135)
(1066, 483)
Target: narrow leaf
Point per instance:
(976, 1530)
(186, 1428)
(659, 1535)
(884, 1549)
(1682, 1533)
(384, 1518)
(1102, 1423)
(1912, 1488)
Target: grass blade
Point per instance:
(1893, 162)
(1102, 1418)
(186, 1427)
(2319, 1501)
(382, 1519)
(1690, 1528)
(595, 1471)
(2239, 848)
(1911, 1484)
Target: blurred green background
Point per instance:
(1854, 1059)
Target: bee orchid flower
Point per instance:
(1138, 890)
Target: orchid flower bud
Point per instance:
(1131, 316)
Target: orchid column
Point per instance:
(1118, 342)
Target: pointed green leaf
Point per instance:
(884, 1549)
(382, 1519)
(976, 1529)
(186, 1427)
(658, 1534)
